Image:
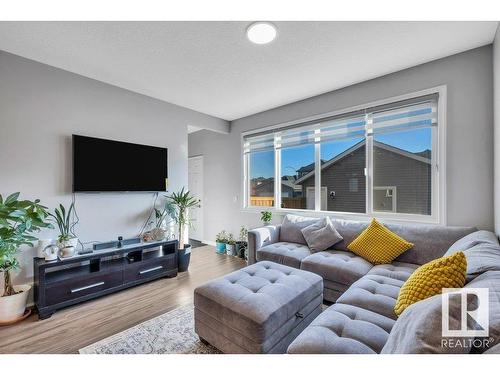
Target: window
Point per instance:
(377, 161)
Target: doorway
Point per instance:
(195, 186)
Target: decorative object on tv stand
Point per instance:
(41, 246)
(230, 245)
(242, 243)
(220, 242)
(19, 219)
(67, 240)
(162, 218)
(51, 252)
(181, 203)
(266, 217)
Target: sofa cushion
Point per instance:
(481, 250)
(287, 253)
(471, 240)
(374, 293)
(379, 245)
(429, 241)
(321, 235)
(342, 329)
(292, 226)
(339, 266)
(429, 280)
(418, 329)
(396, 270)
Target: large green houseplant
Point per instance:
(19, 219)
(181, 202)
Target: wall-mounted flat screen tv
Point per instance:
(101, 165)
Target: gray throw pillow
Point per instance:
(321, 235)
(291, 228)
(482, 251)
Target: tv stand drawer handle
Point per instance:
(150, 270)
(87, 287)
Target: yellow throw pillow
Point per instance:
(378, 245)
(429, 280)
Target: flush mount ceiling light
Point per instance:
(261, 32)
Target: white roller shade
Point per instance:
(414, 116)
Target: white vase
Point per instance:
(42, 244)
(69, 242)
(13, 307)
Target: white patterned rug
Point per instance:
(170, 333)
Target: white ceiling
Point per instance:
(211, 67)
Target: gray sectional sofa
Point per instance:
(362, 319)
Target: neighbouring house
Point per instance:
(402, 181)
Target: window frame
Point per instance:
(438, 164)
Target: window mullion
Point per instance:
(317, 176)
(369, 163)
(277, 172)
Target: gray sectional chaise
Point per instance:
(362, 319)
(339, 267)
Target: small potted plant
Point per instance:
(19, 219)
(220, 242)
(230, 245)
(241, 244)
(67, 240)
(162, 217)
(181, 203)
(266, 217)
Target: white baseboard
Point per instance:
(211, 243)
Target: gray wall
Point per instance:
(41, 106)
(469, 77)
(496, 73)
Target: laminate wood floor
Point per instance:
(73, 328)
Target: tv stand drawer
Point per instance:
(73, 289)
(145, 270)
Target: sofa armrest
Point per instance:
(260, 237)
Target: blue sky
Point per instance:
(262, 163)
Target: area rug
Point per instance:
(170, 333)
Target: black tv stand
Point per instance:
(62, 283)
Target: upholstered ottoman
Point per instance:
(261, 308)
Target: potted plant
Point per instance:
(67, 240)
(220, 242)
(230, 245)
(266, 217)
(18, 220)
(181, 203)
(162, 217)
(241, 244)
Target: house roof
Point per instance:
(420, 156)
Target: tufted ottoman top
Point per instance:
(258, 299)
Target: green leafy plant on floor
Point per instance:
(266, 216)
(19, 219)
(243, 234)
(182, 202)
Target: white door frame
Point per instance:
(200, 224)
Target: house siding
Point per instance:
(412, 179)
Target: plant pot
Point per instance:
(68, 243)
(220, 247)
(240, 249)
(229, 249)
(184, 256)
(13, 307)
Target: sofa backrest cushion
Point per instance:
(429, 241)
(291, 228)
(481, 250)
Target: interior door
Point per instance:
(195, 186)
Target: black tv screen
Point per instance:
(103, 165)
